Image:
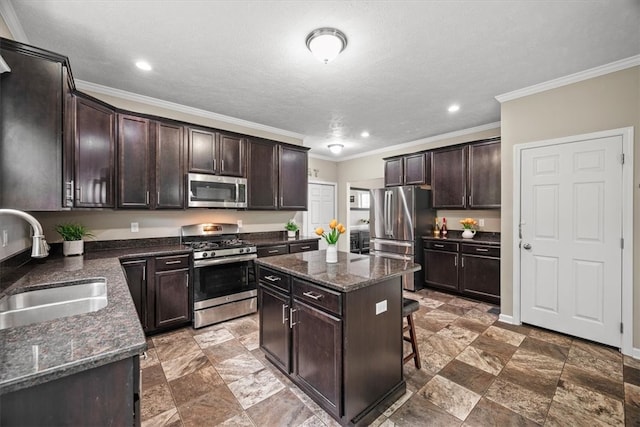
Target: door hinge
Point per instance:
(622, 243)
(622, 159)
(621, 327)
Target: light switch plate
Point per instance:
(134, 227)
(381, 307)
(481, 222)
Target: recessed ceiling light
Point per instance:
(454, 108)
(143, 65)
(365, 134)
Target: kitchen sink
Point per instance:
(60, 300)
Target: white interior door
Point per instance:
(322, 208)
(571, 230)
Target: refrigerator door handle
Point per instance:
(388, 197)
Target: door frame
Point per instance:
(627, 225)
(335, 204)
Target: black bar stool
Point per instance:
(408, 307)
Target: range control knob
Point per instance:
(205, 254)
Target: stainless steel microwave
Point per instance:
(214, 191)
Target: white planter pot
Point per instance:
(468, 234)
(291, 234)
(73, 247)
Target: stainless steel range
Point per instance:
(224, 281)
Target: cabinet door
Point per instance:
(232, 157)
(480, 277)
(393, 172)
(441, 269)
(262, 178)
(275, 334)
(317, 354)
(414, 169)
(134, 159)
(293, 178)
(170, 166)
(94, 155)
(30, 132)
(136, 272)
(449, 177)
(202, 151)
(172, 298)
(484, 175)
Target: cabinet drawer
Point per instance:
(174, 262)
(492, 251)
(318, 296)
(272, 250)
(274, 279)
(303, 247)
(441, 246)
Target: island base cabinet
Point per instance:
(108, 395)
(317, 354)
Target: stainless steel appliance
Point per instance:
(399, 217)
(214, 191)
(224, 285)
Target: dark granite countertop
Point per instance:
(280, 240)
(45, 351)
(351, 272)
(481, 237)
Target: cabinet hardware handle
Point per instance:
(482, 250)
(455, 261)
(470, 200)
(186, 283)
(312, 295)
(146, 198)
(435, 245)
(284, 314)
(305, 247)
(273, 251)
(273, 278)
(158, 198)
(462, 262)
(222, 165)
(291, 322)
(79, 193)
(281, 200)
(69, 195)
(214, 164)
(172, 262)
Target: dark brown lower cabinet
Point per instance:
(472, 270)
(165, 301)
(332, 344)
(108, 395)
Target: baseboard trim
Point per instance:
(506, 319)
(636, 353)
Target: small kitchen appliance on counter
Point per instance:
(224, 281)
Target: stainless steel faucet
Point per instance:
(39, 248)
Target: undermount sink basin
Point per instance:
(62, 300)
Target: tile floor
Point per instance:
(476, 371)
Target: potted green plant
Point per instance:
(72, 235)
(291, 228)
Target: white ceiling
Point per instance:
(405, 63)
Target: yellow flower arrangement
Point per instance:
(332, 236)
(469, 223)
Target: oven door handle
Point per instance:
(225, 260)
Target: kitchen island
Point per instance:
(336, 329)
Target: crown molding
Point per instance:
(462, 132)
(622, 64)
(11, 19)
(143, 99)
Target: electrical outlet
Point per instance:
(134, 227)
(239, 223)
(481, 222)
(5, 238)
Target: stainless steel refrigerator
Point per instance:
(399, 217)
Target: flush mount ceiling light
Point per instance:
(336, 148)
(326, 43)
(453, 108)
(143, 65)
(365, 134)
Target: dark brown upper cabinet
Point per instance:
(484, 175)
(276, 176)
(31, 120)
(216, 152)
(410, 169)
(449, 177)
(150, 164)
(293, 178)
(95, 142)
(467, 176)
